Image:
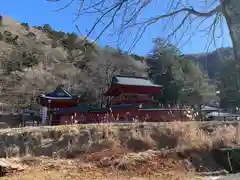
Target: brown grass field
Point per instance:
(117, 151)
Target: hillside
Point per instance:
(33, 61)
(212, 62)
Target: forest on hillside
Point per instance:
(36, 60)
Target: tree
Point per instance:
(1, 37)
(230, 84)
(182, 80)
(162, 47)
(47, 28)
(25, 25)
(164, 70)
(104, 73)
(1, 20)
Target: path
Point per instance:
(228, 177)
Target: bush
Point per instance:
(25, 25)
(57, 34)
(69, 41)
(12, 65)
(54, 44)
(31, 34)
(0, 20)
(1, 36)
(38, 27)
(137, 58)
(7, 33)
(9, 40)
(72, 36)
(47, 28)
(29, 59)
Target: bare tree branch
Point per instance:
(124, 15)
(66, 6)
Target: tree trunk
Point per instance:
(231, 12)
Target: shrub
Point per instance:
(7, 33)
(0, 20)
(12, 65)
(47, 28)
(9, 39)
(25, 25)
(57, 34)
(69, 42)
(31, 34)
(1, 36)
(29, 59)
(54, 44)
(137, 58)
(38, 27)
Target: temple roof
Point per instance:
(132, 84)
(133, 81)
(59, 93)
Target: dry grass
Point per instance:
(79, 139)
(126, 150)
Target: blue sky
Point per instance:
(39, 12)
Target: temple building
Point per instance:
(59, 98)
(51, 102)
(131, 98)
(132, 90)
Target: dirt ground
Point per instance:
(40, 173)
(148, 168)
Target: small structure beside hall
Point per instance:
(51, 102)
(59, 98)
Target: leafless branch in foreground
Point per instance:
(124, 17)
